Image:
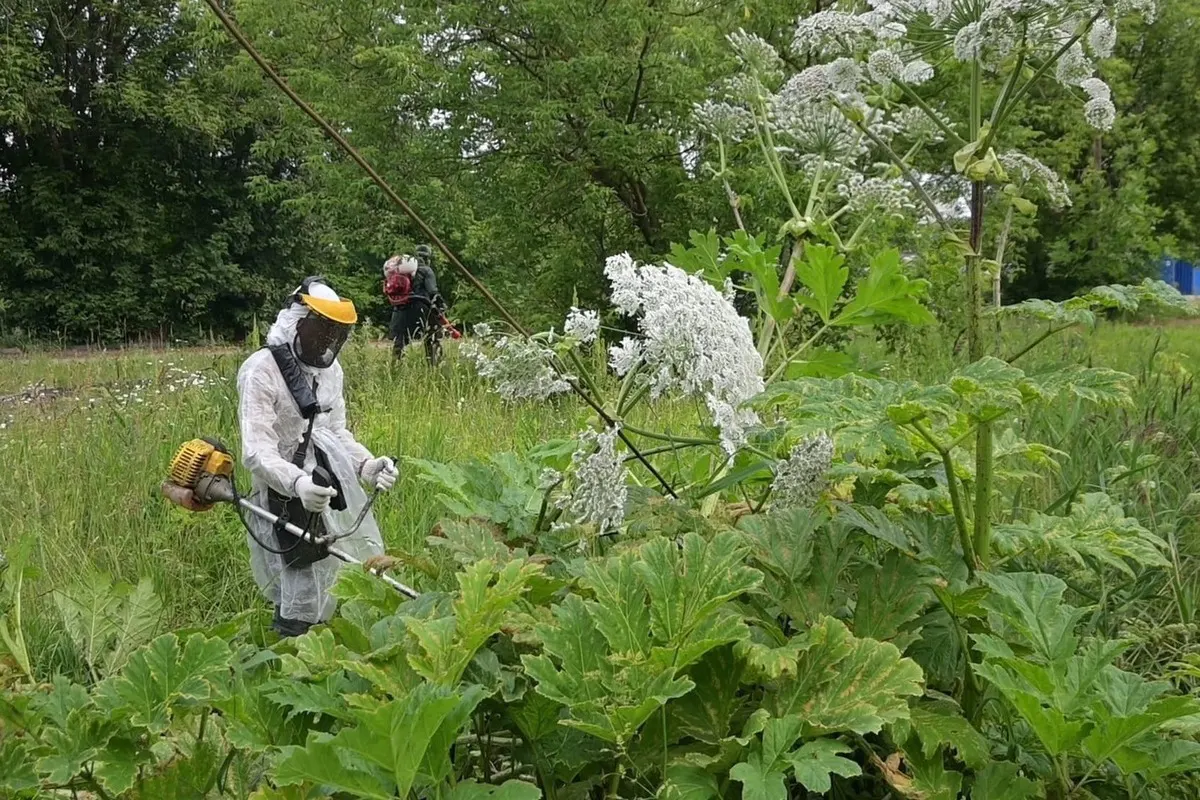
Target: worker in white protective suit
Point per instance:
(306, 465)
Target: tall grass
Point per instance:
(1147, 455)
(87, 442)
(83, 469)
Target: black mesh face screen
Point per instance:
(318, 340)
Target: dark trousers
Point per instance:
(409, 323)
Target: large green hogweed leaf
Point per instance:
(614, 660)
(842, 683)
(164, 674)
(1097, 529)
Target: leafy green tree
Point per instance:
(124, 179)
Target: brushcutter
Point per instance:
(201, 476)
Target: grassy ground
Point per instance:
(86, 441)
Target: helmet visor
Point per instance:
(319, 340)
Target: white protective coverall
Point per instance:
(272, 429)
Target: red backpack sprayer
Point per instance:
(201, 472)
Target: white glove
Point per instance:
(314, 498)
(380, 473)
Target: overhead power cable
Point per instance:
(390, 193)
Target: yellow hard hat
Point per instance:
(316, 295)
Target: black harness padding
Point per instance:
(301, 553)
(304, 394)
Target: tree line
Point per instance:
(154, 185)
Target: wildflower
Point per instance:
(1103, 38)
(917, 72)
(1074, 67)
(624, 356)
(801, 479)
(1029, 170)
(483, 330)
(890, 195)
(583, 325)
(968, 42)
(885, 66)
(818, 130)
(844, 76)
(600, 481)
(518, 368)
(724, 121)
(622, 275)
(1001, 40)
(1100, 113)
(828, 32)
(694, 341)
(884, 28)
(1096, 89)
(756, 54)
(810, 85)
(744, 88)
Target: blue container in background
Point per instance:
(1185, 275)
(1181, 274)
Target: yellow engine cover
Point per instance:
(197, 458)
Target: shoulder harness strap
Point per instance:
(304, 394)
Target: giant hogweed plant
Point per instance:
(691, 658)
(843, 131)
(827, 608)
(901, 492)
(579, 635)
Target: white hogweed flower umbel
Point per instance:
(801, 479)
(693, 341)
(917, 72)
(583, 325)
(1100, 113)
(885, 66)
(1099, 110)
(817, 129)
(756, 54)
(624, 356)
(810, 85)
(1031, 170)
(844, 76)
(743, 88)
(1103, 38)
(968, 42)
(600, 481)
(725, 121)
(1096, 89)
(517, 368)
(829, 32)
(889, 195)
(1074, 67)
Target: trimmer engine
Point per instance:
(201, 475)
